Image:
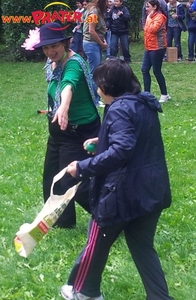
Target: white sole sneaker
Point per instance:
(67, 292)
(164, 98)
(79, 296)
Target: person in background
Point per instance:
(72, 116)
(175, 25)
(108, 32)
(130, 185)
(77, 40)
(118, 22)
(192, 6)
(94, 30)
(163, 6)
(155, 43)
(191, 26)
(84, 5)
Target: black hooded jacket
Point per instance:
(118, 25)
(129, 172)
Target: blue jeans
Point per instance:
(153, 59)
(174, 33)
(108, 39)
(191, 43)
(76, 44)
(93, 53)
(124, 41)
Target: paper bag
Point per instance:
(30, 234)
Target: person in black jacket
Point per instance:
(191, 26)
(175, 25)
(118, 22)
(129, 186)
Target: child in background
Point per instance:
(176, 15)
(77, 41)
(163, 5)
(192, 6)
(118, 22)
(155, 44)
(191, 26)
(108, 32)
(129, 185)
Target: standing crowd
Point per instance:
(162, 22)
(125, 183)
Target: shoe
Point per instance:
(79, 296)
(67, 292)
(179, 58)
(191, 59)
(164, 98)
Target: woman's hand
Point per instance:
(61, 117)
(90, 141)
(71, 168)
(61, 114)
(104, 45)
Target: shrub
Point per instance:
(135, 9)
(15, 33)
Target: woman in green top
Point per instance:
(72, 117)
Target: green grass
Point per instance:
(23, 135)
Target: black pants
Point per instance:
(139, 234)
(63, 147)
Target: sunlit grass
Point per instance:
(23, 135)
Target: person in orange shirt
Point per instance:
(155, 42)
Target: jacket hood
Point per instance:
(145, 98)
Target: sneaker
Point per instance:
(79, 296)
(164, 98)
(179, 58)
(67, 292)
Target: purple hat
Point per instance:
(51, 33)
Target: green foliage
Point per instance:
(1, 26)
(135, 8)
(15, 33)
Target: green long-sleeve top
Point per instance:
(82, 109)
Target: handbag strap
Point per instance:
(70, 192)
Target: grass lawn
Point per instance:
(23, 135)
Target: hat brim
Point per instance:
(50, 42)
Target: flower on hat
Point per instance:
(32, 40)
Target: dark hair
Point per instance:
(157, 3)
(79, 1)
(101, 5)
(114, 77)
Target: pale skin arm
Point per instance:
(95, 36)
(61, 114)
